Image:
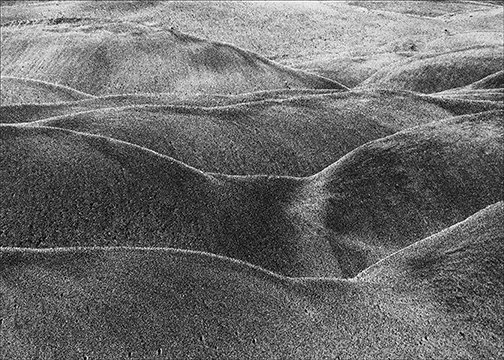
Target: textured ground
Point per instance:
(251, 180)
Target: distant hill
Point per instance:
(297, 136)
(16, 90)
(101, 57)
(440, 297)
(61, 188)
(288, 32)
(438, 72)
(465, 41)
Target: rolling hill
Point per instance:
(489, 88)
(430, 73)
(62, 188)
(298, 136)
(441, 298)
(351, 70)
(291, 33)
(102, 57)
(391, 191)
(494, 81)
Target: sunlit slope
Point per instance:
(61, 188)
(465, 40)
(439, 298)
(101, 57)
(297, 137)
(390, 192)
(352, 69)
(16, 91)
(434, 73)
(289, 32)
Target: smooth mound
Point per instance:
(391, 192)
(61, 188)
(441, 297)
(100, 57)
(16, 90)
(435, 73)
(295, 137)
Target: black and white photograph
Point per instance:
(252, 180)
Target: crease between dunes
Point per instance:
(439, 298)
(488, 88)
(295, 136)
(62, 188)
(102, 57)
(430, 73)
(17, 90)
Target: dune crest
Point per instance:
(19, 90)
(430, 73)
(102, 57)
(377, 199)
(132, 302)
(490, 88)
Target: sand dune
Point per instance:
(489, 88)
(465, 40)
(494, 81)
(16, 90)
(61, 188)
(438, 72)
(496, 95)
(390, 192)
(32, 112)
(296, 137)
(441, 297)
(101, 57)
(290, 32)
(196, 180)
(353, 70)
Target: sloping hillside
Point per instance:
(289, 32)
(101, 57)
(460, 268)
(351, 70)
(16, 91)
(438, 72)
(32, 112)
(61, 188)
(391, 192)
(297, 137)
(465, 40)
(494, 81)
(439, 298)
(489, 88)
